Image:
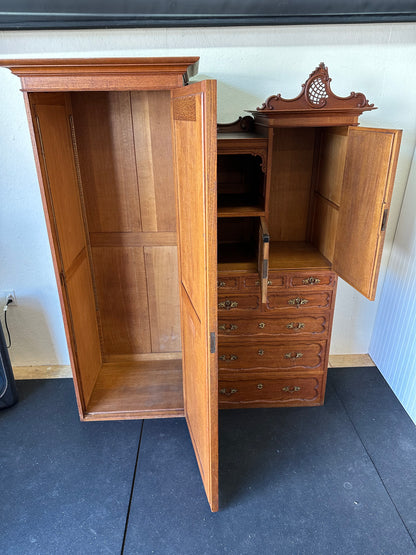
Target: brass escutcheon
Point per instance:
(228, 357)
(311, 281)
(228, 392)
(293, 355)
(298, 301)
(262, 325)
(231, 327)
(259, 386)
(221, 284)
(228, 304)
(297, 326)
(291, 390)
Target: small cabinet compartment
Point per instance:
(241, 185)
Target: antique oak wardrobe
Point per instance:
(257, 218)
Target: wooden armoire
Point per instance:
(198, 269)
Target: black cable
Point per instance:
(5, 322)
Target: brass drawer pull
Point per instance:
(311, 281)
(228, 304)
(262, 325)
(228, 327)
(260, 352)
(298, 301)
(222, 284)
(295, 326)
(293, 355)
(259, 386)
(228, 392)
(228, 357)
(288, 389)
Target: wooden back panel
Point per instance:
(290, 186)
(126, 165)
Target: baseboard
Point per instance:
(41, 372)
(56, 371)
(350, 361)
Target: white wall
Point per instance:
(393, 345)
(250, 64)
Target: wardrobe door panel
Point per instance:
(369, 172)
(194, 138)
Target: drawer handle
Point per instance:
(289, 389)
(293, 355)
(228, 357)
(298, 301)
(228, 304)
(228, 392)
(296, 326)
(259, 386)
(260, 352)
(228, 327)
(311, 281)
(222, 284)
(262, 325)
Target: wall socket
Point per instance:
(8, 294)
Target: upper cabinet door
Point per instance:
(369, 172)
(195, 159)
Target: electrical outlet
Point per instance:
(7, 295)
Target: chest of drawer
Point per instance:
(283, 356)
(299, 299)
(291, 325)
(263, 390)
(236, 303)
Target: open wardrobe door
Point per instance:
(194, 139)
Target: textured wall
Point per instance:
(250, 63)
(393, 345)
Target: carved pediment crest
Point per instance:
(316, 94)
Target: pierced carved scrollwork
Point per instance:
(316, 93)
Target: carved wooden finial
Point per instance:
(316, 95)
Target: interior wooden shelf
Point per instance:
(239, 211)
(154, 386)
(293, 255)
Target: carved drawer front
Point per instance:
(285, 356)
(235, 303)
(270, 390)
(291, 325)
(224, 283)
(299, 299)
(254, 282)
(312, 280)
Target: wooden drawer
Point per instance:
(225, 283)
(312, 280)
(235, 303)
(268, 390)
(293, 325)
(299, 299)
(253, 282)
(284, 356)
